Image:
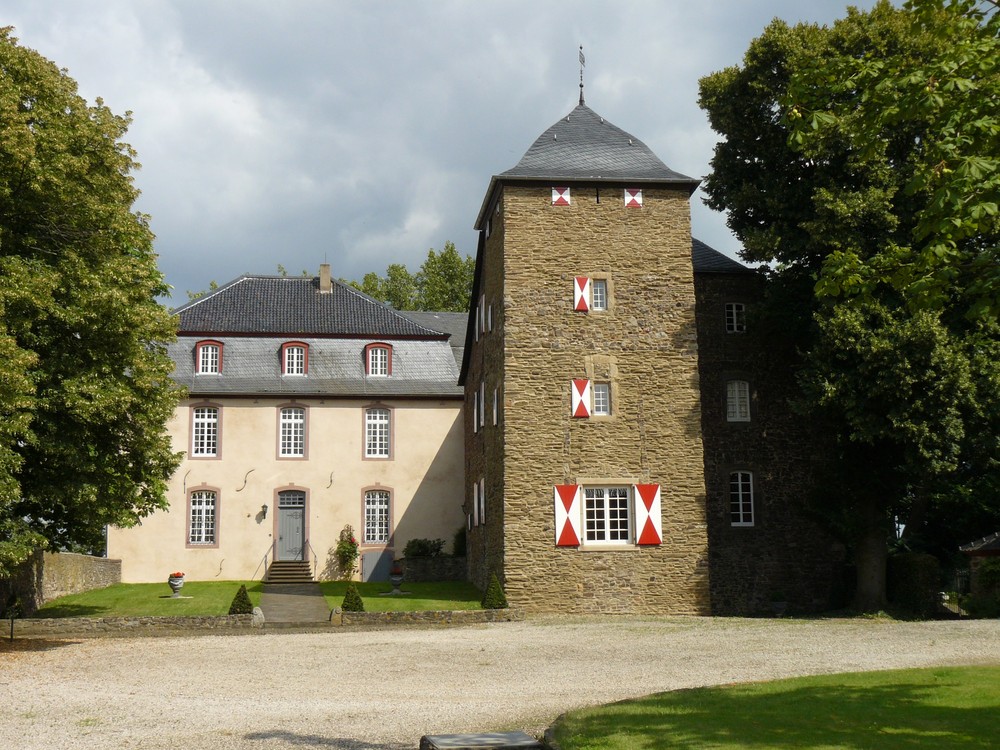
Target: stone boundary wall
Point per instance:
(84, 627)
(49, 575)
(430, 569)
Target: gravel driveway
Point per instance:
(386, 688)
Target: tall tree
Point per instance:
(84, 377)
(443, 283)
(856, 162)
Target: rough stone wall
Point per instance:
(645, 345)
(49, 575)
(785, 555)
(484, 449)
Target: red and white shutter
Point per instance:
(648, 516)
(581, 293)
(560, 196)
(567, 505)
(633, 198)
(581, 398)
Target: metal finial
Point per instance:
(583, 62)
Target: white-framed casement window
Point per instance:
(736, 317)
(599, 294)
(294, 359)
(378, 360)
(606, 515)
(208, 357)
(737, 401)
(496, 407)
(292, 432)
(602, 399)
(202, 515)
(482, 405)
(475, 410)
(482, 500)
(377, 432)
(475, 503)
(376, 517)
(205, 432)
(741, 498)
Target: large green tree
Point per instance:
(84, 386)
(861, 162)
(443, 283)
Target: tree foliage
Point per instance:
(862, 161)
(84, 386)
(443, 283)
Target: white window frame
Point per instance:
(292, 432)
(482, 405)
(378, 361)
(377, 510)
(741, 504)
(496, 407)
(378, 432)
(605, 509)
(598, 295)
(209, 358)
(602, 399)
(737, 401)
(202, 515)
(205, 431)
(482, 500)
(736, 317)
(294, 360)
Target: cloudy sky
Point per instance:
(365, 133)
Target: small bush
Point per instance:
(494, 598)
(981, 605)
(423, 548)
(915, 583)
(241, 603)
(988, 576)
(458, 543)
(352, 600)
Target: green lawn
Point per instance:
(208, 598)
(921, 709)
(416, 596)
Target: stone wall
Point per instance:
(644, 345)
(785, 555)
(82, 627)
(49, 575)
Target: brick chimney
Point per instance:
(325, 284)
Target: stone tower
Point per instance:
(585, 487)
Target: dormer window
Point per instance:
(294, 358)
(208, 357)
(378, 359)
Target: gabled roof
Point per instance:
(583, 146)
(258, 305)
(706, 259)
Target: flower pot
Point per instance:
(396, 579)
(175, 585)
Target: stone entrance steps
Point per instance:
(289, 571)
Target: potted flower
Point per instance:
(175, 581)
(396, 576)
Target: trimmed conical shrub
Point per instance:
(494, 598)
(352, 600)
(241, 603)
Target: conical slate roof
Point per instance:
(585, 146)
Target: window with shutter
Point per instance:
(581, 294)
(567, 514)
(581, 398)
(648, 514)
(560, 196)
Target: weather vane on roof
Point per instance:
(583, 62)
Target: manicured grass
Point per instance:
(205, 598)
(920, 709)
(416, 596)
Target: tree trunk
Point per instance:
(870, 556)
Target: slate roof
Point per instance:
(447, 322)
(251, 365)
(584, 146)
(706, 259)
(295, 306)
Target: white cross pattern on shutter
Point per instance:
(567, 507)
(648, 514)
(581, 293)
(581, 398)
